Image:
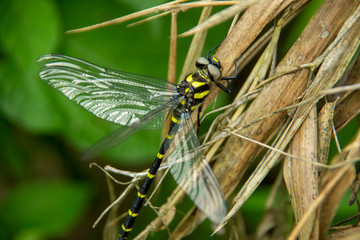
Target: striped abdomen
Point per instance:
(194, 88)
(136, 205)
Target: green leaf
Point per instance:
(46, 209)
(141, 5)
(27, 29)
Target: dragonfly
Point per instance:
(143, 102)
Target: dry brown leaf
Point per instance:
(274, 221)
(238, 154)
(260, 15)
(302, 178)
(325, 123)
(196, 45)
(345, 234)
(281, 92)
(338, 183)
(332, 202)
(349, 105)
(112, 228)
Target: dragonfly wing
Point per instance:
(121, 134)
(116, 96)
(192, 172)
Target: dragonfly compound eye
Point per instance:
(202, 62)
(214, 71)
(123, 98)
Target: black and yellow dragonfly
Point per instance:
(136, 102)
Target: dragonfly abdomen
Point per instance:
(195, 88)
(138, 101)
(136, 205)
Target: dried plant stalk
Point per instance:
(282, 92)
(338, 183)
(111, 230)
(349, 104)
(325, 124)
(300, 175)
(319, 60)
(238, 154)
(346, 234)
(248, 28)
(197, 44)
(332, 202)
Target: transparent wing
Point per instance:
(116, 96)
(124, 132)
(192, 172)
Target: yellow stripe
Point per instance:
(203, 75)
(215, 59)
(174, 119)
(201, 95)
(149, 175)
(186, 90)
(160, 156)
(189, 78)
(183, 102)
(194, 107)
(169, 137)
(132, 214)
(198, 84)
(126, 229)
(141, 195)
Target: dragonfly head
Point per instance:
(212, 65)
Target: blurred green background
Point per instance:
(46, 191)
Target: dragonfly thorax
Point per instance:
(136, 101)
(196, 86)
(211, 65)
